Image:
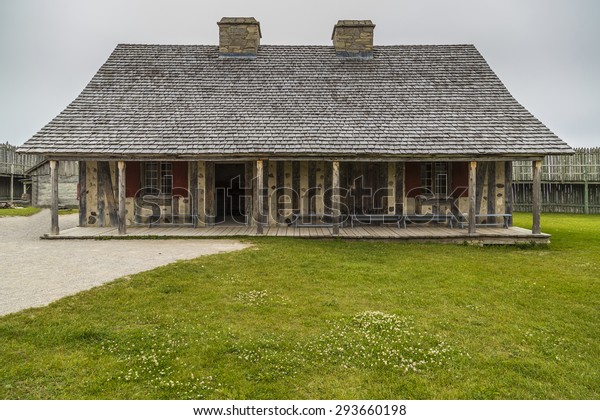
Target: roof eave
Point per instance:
(303, 157)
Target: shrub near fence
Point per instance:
(570, 184)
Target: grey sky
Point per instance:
(546, 52)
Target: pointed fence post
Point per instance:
(586, 192)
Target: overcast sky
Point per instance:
(547, 52)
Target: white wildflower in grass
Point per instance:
(261, 297)
(230, 278)
(378, 340)
(369, 340)
(253, 297)
(545, 341)
(154, 362)
(156, 353)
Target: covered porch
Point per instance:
(412, 200)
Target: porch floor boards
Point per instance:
(484, 235)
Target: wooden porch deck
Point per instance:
(484, 235)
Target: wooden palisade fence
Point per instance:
(13, 166)
(15, 163)
(570, 184)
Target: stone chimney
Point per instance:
(239, 37)
(353, 38)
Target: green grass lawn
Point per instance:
(62, 212)
(289, 318)
(20, 211)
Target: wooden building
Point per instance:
(13, 173)
(41, 185)
(296, 136)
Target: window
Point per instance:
(426, 180)
(440, 187)
(166, 178)
(158, 178)
(434, 178)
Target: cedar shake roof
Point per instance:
(178, 101)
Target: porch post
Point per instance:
(537, 193)
(335, 196)
(508, 190)
(54, 230)
(12, 182)
(472, 195)
(248, 178)
(209, 193)
(259, 197)
(122, 209)
(193, 193)
(82, 193)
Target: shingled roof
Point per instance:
(183, 101)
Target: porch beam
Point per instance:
(472, 196)
(54, 230)
(122, 207)
(259, 197)
(335, 196)
(537, 193)
(315, 158)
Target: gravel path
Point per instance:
(35, 272)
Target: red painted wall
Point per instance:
(133, 178)
(460, 179)
(412, 172)
(133, 181)
(180, 178)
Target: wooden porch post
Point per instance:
(335, 196)
(82, 193)
(12, 182)
(193, 193)
(472, 196)
(248, 192)
(259, 197)
(209, 194)
(508, 190)
(122, 208)
(537, 193)
(54, 230)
